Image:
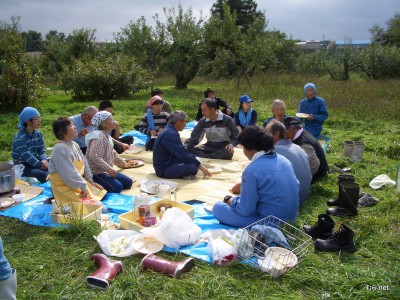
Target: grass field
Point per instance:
(53, 263)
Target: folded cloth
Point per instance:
(367, 200)
(381, 180)
(272, 236)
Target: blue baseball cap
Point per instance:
(245, 98)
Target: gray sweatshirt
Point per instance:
(62, 156)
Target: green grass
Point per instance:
(53, 263)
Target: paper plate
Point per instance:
(151, 186)
(235, 166)
(138, 163)
(133, 150)
(302, 115)
(6, 203)
(215, 170)
(147, 244)
(209, 206)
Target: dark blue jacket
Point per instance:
(168, 150)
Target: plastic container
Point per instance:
(76, 211)
(164, 192)
(18, 198)
(130, 219)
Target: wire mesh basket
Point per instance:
(272, 245)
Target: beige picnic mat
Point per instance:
(199, 189)
(29, 191)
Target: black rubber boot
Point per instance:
(349, 200)
(341, 178)
(341, 240)
(323, 229)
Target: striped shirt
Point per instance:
(160, 121)
(101, 155)
(28, 149)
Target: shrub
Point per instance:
(104, 78)
(19, 87)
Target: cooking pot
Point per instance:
(7, 177)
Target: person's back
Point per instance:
(163, 148)
(307, 138)
(299, 160)
(278, 188)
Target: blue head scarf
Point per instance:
(310, 85)
(26, 114)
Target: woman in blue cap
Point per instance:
(246, 116)
(28, 145)
(315, 110)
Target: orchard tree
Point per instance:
(32, 41)
(380, 62)
(53, 48)
(185, 34)
(390, 36)
(147, 44)
(245, 11)
(61, 50)
(80, 43)
(19, 87)
(232, 52)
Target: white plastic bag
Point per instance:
(117, 242)
(19, 170)
(177, 229)
(222, 251)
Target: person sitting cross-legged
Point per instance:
(220, 131)
(269, 185)
(170, 158)
(28, 145)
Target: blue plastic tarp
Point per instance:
(34, 212)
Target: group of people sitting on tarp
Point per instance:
(285, 156)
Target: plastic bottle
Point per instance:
(162, 211)
(54, 206)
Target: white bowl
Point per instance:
(151, 186)
(277, 261)
(18, 197)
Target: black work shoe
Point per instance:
(323, 229)
(341, 240)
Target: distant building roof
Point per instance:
(353, 42)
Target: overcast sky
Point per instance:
(299, 19)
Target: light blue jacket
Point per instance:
(269, 187)
(5, 268)
(77, 120)
(299, 159)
